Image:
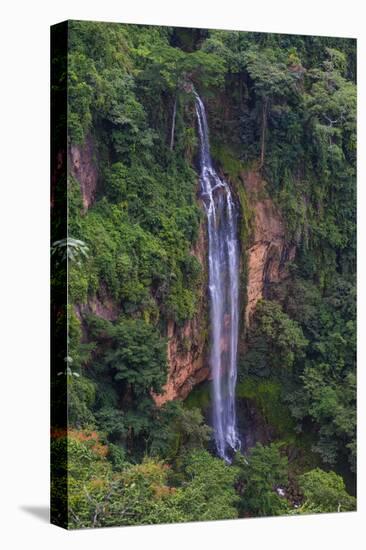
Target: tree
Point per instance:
(325, 492)
(324, 389)
(272, 82)
(331, 106)
(262, 471)
(208, 492)
(99, 497)
(137, 356)
(115, 182)
(141, 494)
(284, 337)
(177, 431)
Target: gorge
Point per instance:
(211, 308)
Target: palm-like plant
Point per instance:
(72, 249)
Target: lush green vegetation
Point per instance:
(283, 106)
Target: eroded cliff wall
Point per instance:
(267, 250)
(188, 344)
(83, 167)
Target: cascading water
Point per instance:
(223, 264)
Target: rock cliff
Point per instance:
(268, 250)
(187, 344)
(83, 168)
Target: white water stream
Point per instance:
(223, 260)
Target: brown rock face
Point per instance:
(101, 305)
(268, 251)
(83, 169)
(187, 365)
(186, 350)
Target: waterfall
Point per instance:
(223, 267)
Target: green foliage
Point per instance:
(130, 366)
(115, 182)
(168, 68)
(194, 433)
(129, 261)
(83, 81)
(137, 356)
(81, 399)
(261, 473)
(117, 456)
(140, 494)
(283, 338)
(199, 397)
(325, 187)
(72, 249)
(112, 422)
(271, 76)
(98, 497)
(325, 492)
(208, 493)
(267, 394)
(139, 236)
(325, 386)
(177, 431)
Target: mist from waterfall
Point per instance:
(223, 267)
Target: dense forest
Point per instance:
(282, 114)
